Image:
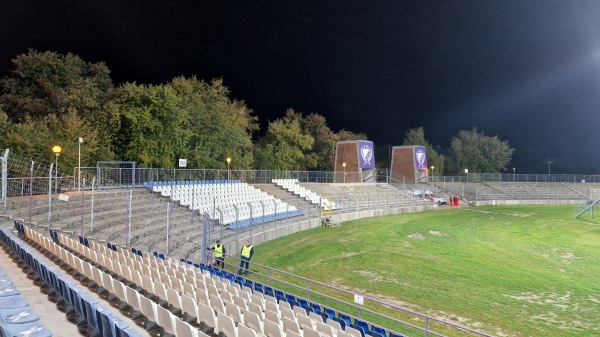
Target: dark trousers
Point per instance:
(246, 261)
(220, 262)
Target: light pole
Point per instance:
(549, 163)
(344, 166)
(514, 169)
(432, 167)
(79, 165)
(56, 149)
(228, 162)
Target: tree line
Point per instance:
(53, 99)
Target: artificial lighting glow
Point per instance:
(56, 149)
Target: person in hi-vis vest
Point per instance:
(247, 252)
(219, 254)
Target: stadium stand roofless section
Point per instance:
(230, 202)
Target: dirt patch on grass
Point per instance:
(521, 215)
(417, 236)
(436, 233)
(379, 278)
(541, 298)
(350, 254)
(406, 244)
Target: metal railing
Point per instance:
(399, 319)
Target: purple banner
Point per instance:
(366, 155)
(420, 158)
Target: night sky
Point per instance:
(526, 71)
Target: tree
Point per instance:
(480, 153)
(185, 118)
(218, 126)
(286, 146)
(41, 84)
(152, 131)
(33, 137)
(417, 137)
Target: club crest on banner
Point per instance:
(420, 158)
(367, 154)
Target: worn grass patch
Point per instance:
(508, 271)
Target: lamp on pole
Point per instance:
(228, 162)
(549, 163)
(432, 168)
(344, 166)
(514, 169)
(56, 149)
(79, 165)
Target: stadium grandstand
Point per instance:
(125, 251)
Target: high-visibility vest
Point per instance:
(246, 251)
(218, 251)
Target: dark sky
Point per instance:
(526, 70)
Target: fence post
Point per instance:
(92, 212)
(5, 176)
(82, 206)
(50, 193)
(30, 190)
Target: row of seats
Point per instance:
(152, 184)
(293, 186)
(220, 291)
(99, 318)
(16, 316)
(234, 202)
(306, 307)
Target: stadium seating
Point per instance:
(293, 186)
(231, 202)
(179, 295)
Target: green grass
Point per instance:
(512, 271)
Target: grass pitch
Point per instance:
(508, 271)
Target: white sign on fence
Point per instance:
(359, 299)
(63, 197)
(182, 162)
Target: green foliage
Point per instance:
(288, 144)
(417, 137)
(152, 132)
(218, 127)
(33, 137)
(186, 118)
(42, 84)
(285, 146)
(480, 153)
(51, 98)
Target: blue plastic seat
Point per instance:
(315, 307)
(341, 321)
(378, 330)
(303, 303)
(393, 334)
(347, 319)
(364, 325)
(330, 312)
(289, 298)
(323, 316)
(359, 328)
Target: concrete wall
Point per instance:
(260, 237)
(530, 202)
